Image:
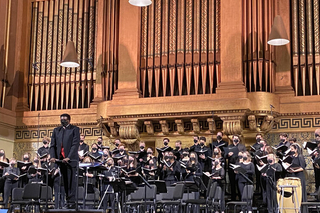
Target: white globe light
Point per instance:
(140, 3)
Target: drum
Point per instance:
(289, 197)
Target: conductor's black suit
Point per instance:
(67, 139)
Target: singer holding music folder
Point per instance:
(64, 146)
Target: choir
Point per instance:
(216, 161)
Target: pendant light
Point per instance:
(70, 58)
(140, 3)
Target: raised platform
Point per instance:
(73, 210)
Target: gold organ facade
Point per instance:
(175, 69)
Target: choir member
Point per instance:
(217, 174)
(90, 177)
(83, 148)
(296, 169)
(23, 167)
(108, 176)
(193, 168)
(34, 173)
(142, 156)
(117, 142)
(100, 143)
(132, 171)
(94, 154)
(171, 169)
(105, 155)
(196, 143)
(10, 182)
(220, 143)
(5, 160)
(165, 148)
(232, 155)
(315, 157)
(203, 152)
(217, 155)
(248, 166)
(178, 150)
(150, 157)
(270, 180)
(44, 150)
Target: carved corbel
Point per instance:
(149, 127)
(129, 131)
(252, 122)
(164, 127)
(212, 125)
(180, 126)
(102, 126)
(267, 123)
(195, 125)
(113, 129)
(232, 124)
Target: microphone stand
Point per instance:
(145, 191)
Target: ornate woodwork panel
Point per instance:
(258, 64)
(54, 23)
(180, 47)
(305, 47)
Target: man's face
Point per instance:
(81, 137)
(317, 136)
(178, 145)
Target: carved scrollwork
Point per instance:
(180, 126)
(102, 125)
(129, 131)
(113, 128)
(267, 123)
(232, 124)
(195, 125)
(212, 125)
(252, 122)
(164, 127)
(149, 127)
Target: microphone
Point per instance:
(271, 106)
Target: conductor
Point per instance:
(64, 147)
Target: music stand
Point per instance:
(161, 185)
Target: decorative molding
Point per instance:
(29, 134)
(232, 124)
(180, 126)
(164, 127)
(129, 131)
(195, 125)
(252, 122)
(298, 123)
(212, 125)
(113, 128)
(149, 127)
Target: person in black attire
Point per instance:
(178, 150)
(150, 168)
(218, 175)
(203, 153)
(10, 184)
(142, 156)
(105, 155)
(196, 143)
(23, 170)
(283, 142)
(232, 156)
(45, 148)
(193, 168)
(165, 147)
(315, 157)
(64, 146)
(94, 154)
(299, 164)
(270, 180)
(171, 169)
(36, 177)
(117, 142)
(219, 143)
(259, 147)
(100, 143)
(83, 147)
(108, 176)
(6, 160)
